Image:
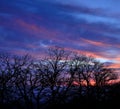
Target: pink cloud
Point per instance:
(96, 43)
(35, 29)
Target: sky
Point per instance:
(91, 27)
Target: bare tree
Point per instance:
(21, 81)
(88, 71)
(11, 72)
(54, 66)
(82, 67)
(24, 77)
(102, 75)
(51, 80)
(6, 75)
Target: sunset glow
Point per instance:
(32, 26)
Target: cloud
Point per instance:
(100, 44)
(81, 9)
(95, 43)
(79, 26)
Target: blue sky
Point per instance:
(84, 26)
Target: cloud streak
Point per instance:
(33, 26)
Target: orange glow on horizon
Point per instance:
(115, 65)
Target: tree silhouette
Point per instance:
(6, 75)
(60, 78)
(89, 72)
(53, 66)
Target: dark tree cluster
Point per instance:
(61, 79)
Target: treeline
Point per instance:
(60, 79)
